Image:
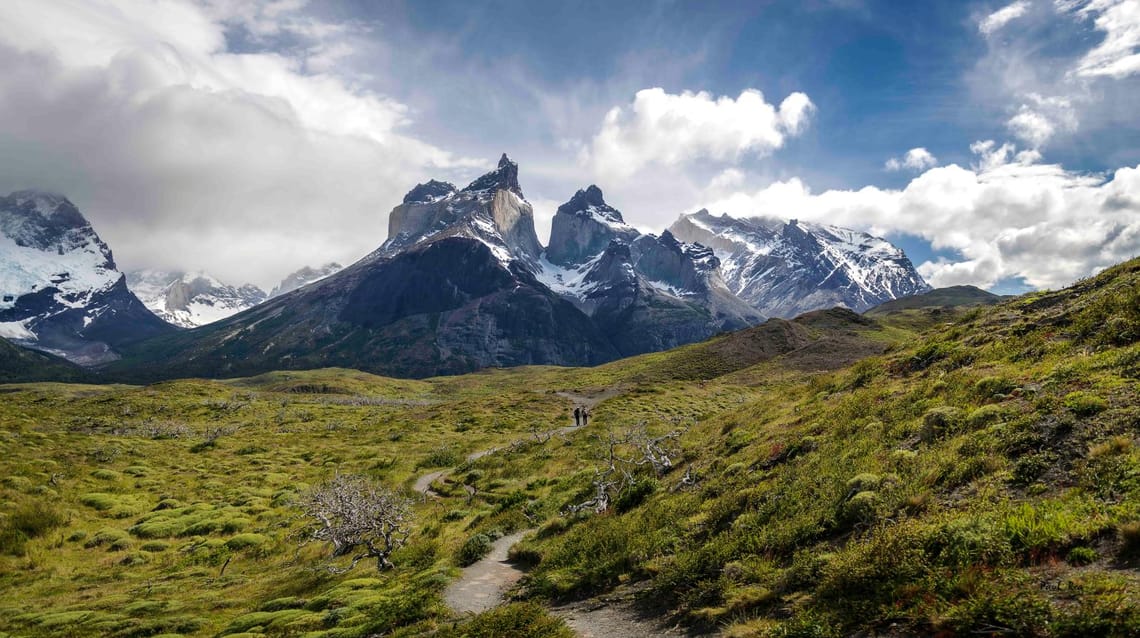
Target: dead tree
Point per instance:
(621, 456)
(357, 516)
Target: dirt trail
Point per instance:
(423, 483)
(482, 584)
(591, 399)
(613, 614)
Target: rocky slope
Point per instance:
(490, 210)
(646, 292)
(451, 290)
(784, 268)
(188, 300)
(462, 283)
(20, 365)
(60, 290)
(304, 277)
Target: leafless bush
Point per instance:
(356, 515)
(622, 456)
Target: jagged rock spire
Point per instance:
(505, 176)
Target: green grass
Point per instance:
(835, 475)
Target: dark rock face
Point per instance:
(428, 192)
(446, 307)
(491, 210)
(504, 177)
(583, 227)
(646, 292)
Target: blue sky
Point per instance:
(996, 142)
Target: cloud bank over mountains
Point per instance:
(247, 164)
(1007, 215)
(249, 138)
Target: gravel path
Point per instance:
(482, 584)
(613, 614)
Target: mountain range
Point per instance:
(189, 300)
(461, 283)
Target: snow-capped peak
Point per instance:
(491, 210)
(785, 267)
(191, 299)
(47, 243)
(305, 276)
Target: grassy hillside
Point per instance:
(949, 297)
(832, 476)
(22, 364)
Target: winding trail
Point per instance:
(482, 585)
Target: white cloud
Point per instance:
(1030, 127)
(1118, 56)
(670, 129)
(187, 155)
(1008, 216)
(916, 159)
(998, 19)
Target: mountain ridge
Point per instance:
(60, 290)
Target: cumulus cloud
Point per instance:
(1006, 216)
(1118, 55)
(916, 159)
(998, 19)
(185, 154)
(670, 129)
(1037, 120)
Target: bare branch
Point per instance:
(352, 513)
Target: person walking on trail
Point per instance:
(585, 417)
(577, 416)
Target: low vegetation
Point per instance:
(958, 472)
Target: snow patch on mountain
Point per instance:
(304, 277)
(74, 262)
(191, 299)
(786, 267)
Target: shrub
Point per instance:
(990, 387)
(634, 495)
(514, 619)
(1084, 403)
(1029, 467)
(245, 541)
(473, 550)
(107, 536)
(445, 456)
(864, 482)
(35, 519)
(984, 416)
(938, 422)
(1129, 534)
(963, 542)
(1082, 555)
(862, 508)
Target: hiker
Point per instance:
(577, 416)
(585, 417)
